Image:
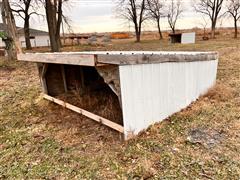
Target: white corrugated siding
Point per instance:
(39, 41)
(42, 41)
(152, 92)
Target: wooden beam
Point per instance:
(43, 78)
(82, 87)
(64, 78)
(126, 59)
(59, 58)
(117, 58)
(90, 115)
(44, 70)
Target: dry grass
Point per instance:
(39, 140)
(102, 102)
(220, 93)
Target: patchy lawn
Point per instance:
(41, 140)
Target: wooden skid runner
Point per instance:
(90, 115)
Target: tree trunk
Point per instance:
(213, 33)
(9, 47)
(213, 29)
(59, 22)
(138, 37)
(51, 13)
(159, 30)
(10, 29)
(54, 43)
(137, 33)
(27, 33)
(236, 29)
(173, 30)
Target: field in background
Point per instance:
(41, 140)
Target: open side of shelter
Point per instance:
(142, 87)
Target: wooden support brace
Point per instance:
(64, 78)
(82, 83)
(90, 115)
(43, 78)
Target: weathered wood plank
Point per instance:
(90, 115)
(43, 78)
(64, 78)
(111, 77)
(58, 58)
(153, 58)
(82, 87)
(117, 58)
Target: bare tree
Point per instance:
(134, 11)
(204, 24)
(25, 9)
(174, 11)
(233, 8)
(11, 40)
(212, 9)
(156, 11)
(66, 23)
(54, 19)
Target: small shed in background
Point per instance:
(38, 38)
(146, 87)
(183, 38)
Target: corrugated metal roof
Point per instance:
(33, 32)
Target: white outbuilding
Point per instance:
(38, 38)
(183, 38)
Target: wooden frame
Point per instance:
(64, 78)
(42, 73)
(117, 58)
(59, 58)
(90, 115)
(43, 78)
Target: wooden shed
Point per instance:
(147, 86)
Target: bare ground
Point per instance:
(39, 140)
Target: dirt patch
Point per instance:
(206, 137)
(73, 129)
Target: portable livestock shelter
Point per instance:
(183, 38)
(149, 86)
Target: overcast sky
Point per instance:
(99, 16)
